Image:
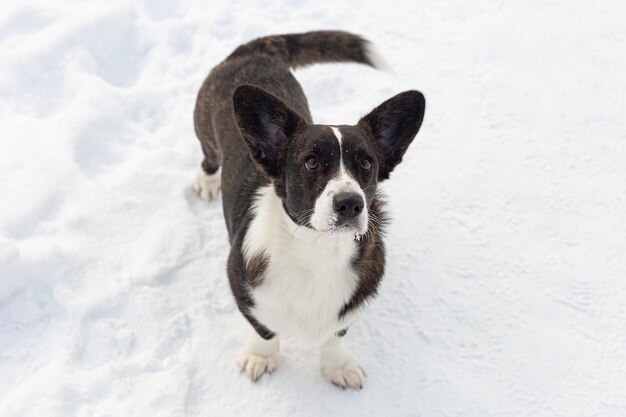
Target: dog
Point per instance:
(304, 216)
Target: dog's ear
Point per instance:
(394, 124)
(266, 124)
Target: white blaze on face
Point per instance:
(324, 218)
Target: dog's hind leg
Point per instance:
(208, 180)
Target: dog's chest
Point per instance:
(307, 280)
(304, 296)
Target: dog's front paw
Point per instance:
(207, 186)
(348, 375)
(255, 365)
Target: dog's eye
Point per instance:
(311, 164)
(366, 164)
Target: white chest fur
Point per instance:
(309, 277)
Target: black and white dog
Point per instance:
(300, 200)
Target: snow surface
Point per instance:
(505, 293)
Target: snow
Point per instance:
(505, 293)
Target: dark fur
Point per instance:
(252, 119)
(370, 262)
(255, 269)
(302, 49)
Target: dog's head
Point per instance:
(327, 176)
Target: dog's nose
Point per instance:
(348, 205)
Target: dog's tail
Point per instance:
(301, 49)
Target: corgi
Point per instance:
(301, 202)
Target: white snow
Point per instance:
(505, 293)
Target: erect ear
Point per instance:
(394, 124)
(266, 124)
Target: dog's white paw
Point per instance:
(207, 186)
(348, 375)
(259, 357)
(339, 365)
(255, 365)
